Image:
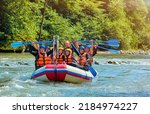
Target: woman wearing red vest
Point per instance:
(61, 58)
(83, 58)
(68, 56)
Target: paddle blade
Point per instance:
(93, 71)
(17, 44)
(114, 51)
(111, 50)
(113, 41)
(45, 42)
(112, 45)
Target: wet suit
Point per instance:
(35, 53)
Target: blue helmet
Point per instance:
(81, 47)
(47, 47)
(88, 46)
(42, 47)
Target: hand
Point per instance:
(74, 40)
(91, 42)
(33, 43)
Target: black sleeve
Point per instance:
(88, 56)
(32, 50)
(48, 53)
(51, 51)
(94, 51)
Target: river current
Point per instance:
(128, 77)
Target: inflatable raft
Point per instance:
(63, 73)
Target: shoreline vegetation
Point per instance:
(125, 20)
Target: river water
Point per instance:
(129, 77)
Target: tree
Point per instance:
(137, 13)
(126, 20)
(118, 26)
(18, 21)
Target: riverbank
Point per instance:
(129, 52)
(136, 52)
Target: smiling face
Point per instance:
(60, 51)
(81, 51)
(67, 44)
(42, 50)
(67, 52)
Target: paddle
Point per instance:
(112, 43)
(111, 50)
(92, 70)
(109, 41)
(18, 44)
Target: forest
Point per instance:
(125, 20)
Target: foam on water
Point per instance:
(130, 77)
(19, 86)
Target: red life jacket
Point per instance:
(43, 60)
(82, 60)
(60, 60)
(68, 59)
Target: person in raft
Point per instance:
(68, 46)
(41, 56)
(89, 53)
(82, 59)
(48, 50)
(61, 58)
(69, 59)
(90, 50)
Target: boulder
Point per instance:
(6, 65)
(112, 62)
(22, 63)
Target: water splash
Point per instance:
(130, 77)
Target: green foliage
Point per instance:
(126, 20)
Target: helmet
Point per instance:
(61, 48)
(81, 47)
(42, 47)
(69, 50)
(47, 47)
(88, 46)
